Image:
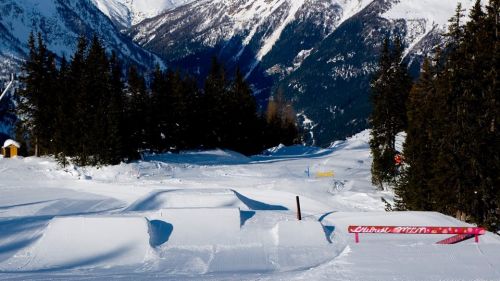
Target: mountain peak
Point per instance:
(125, 13)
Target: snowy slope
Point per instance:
(263, 21)
(60, 23)
(116, 11)
(214, 21)
(218, 215)
(322, 53)
(425, 16)
(126, 13)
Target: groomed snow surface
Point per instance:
(218, 215)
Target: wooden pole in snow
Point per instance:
(299, 214)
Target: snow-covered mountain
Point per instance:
(125, 13)
(60, 22)
(322, 52)
(257, 24)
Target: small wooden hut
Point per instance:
(10, 148)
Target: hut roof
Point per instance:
(9, 142)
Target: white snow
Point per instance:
(434, 12)
(60, 23)
(131, 12)
(218, 215)
(273, 38)
(425, 16)
(115, 10)
(10, 142)
(85, 241)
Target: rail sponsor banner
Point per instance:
(416, 230)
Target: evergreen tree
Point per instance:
(413, 189)
(35, 107)
(138, 115)
(115, 119)
(97, 75)
(160, 96)
(243, 122)
(78, 82)
(194, 130)
(453, 125)
(62, 116)
(215, 106)
(390, 88)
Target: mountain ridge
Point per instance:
(271, 41)
(60, 23)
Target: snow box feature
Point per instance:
(70, 242)
(199, 227)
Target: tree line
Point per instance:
(92, 112)
(452, 148)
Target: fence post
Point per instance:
(299, 214)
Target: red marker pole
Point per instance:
(356, 237)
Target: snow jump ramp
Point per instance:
(70, 242)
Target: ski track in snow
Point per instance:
(218, 215)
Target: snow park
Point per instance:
(218, 215)
(249, 140)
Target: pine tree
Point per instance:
(116, 114)
(138, 115)
(62, 116)
(490, 180)
(96, 99)
(79, 82)
(413, 189)
(194, 130)
(160, 96)
(243, 122)
(459, 135)
(390, 87)
(36, 108)
(215, 106)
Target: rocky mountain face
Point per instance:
(125, 13)
(322, 53)
(60, 23)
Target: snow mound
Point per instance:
(300, 233)
(356, 142)
(295, 150)
(70, 242)
(198, 227)
(207, 158)
(212, 241)
(188, 198)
